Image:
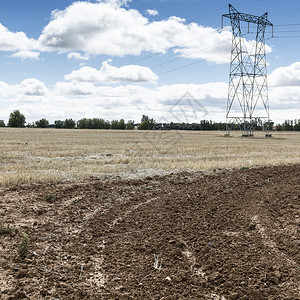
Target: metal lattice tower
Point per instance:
(248, 102)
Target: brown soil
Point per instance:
(230, 234)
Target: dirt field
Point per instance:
(209, 235)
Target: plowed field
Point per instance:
(224, 234)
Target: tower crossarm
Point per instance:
(236, 15)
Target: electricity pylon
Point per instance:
(248, 102)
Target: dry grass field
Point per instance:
(31, 155)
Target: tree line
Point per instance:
(17, 119)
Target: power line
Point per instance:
(199, 37)
(210, 12)
(176, 46)
(191, 64)
(202, 36)
(286, 25)
(287, 36)
(181, 57)
(275, 32)
(287, 31)
(274, 25)
(201, 60)
(179, 68)
(246, 2)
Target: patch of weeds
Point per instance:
(50, 197)
(5, 230)
(244, 168)
(23, 246)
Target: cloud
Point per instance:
(74, 88)
(109, 74)
(30, 90)
(76, 55)
(213, 90)
(110, 27)
(286, 76)
(131, 101)
(107, 28)
(83, 99)
(116, 3)
(26, 55)
(32, 87)
(285, 96)
(14, 41)
(6, 90)
(152, 12)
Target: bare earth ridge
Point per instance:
(225, 234)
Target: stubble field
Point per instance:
(31, 155)
(149, 215)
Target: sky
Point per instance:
(113, 59)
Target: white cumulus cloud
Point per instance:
(116, 3)
(108, 74)
(78, 56)
(26, 55)
(108, 28)
(83, 99)
(152, 12)
(32, 87)
(14, 41)
(286, 76)
(74, 88)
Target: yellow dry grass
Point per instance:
(32, 155)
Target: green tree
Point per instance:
(16, 119)
(69, 124)
(83, 124)
(42, 123)
(96, 123)
(122, 124)
(146, 123)
(2, 124)
(99, 124)
(288, 125)
(115, 124)
(129, 125)
(297, 125)
(58, 124)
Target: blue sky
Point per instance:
(118, 59)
